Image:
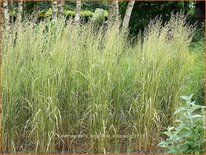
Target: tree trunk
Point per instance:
(78, 9)
(6, 17)
(117, 10)
(110, 13)
(62, 8)
(113, 12)
(20, 10)
(54, 10)
(128, 13)
(1, 25)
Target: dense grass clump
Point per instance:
(64, 79)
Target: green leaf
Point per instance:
(197, 116)
(186, 98)
(180, 110)
(197, 107)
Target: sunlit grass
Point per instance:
(66, 79)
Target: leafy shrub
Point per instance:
(86, 13)
(45, 13)
(48, 12)
(99, 16)
(42, 13)
(12, 13)
(188, 135)
(69, 13)
(105, 13)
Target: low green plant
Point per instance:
(45, 13)
(86, 13)
(69, 13)
(41, 13)
(48, 12)
(99, 16)
(188, 135)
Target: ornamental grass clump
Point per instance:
(62, 79)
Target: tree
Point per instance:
(113, 11)
(54, 10)
(77, 11)
(128, 13)
(6, 16)
(19, 12)
(116, 10)
(62, 8)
